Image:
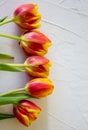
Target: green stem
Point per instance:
(14, 67)
(13, 91)
(5, 116)
(8, 21)
(19, 65)
(11, 37)
(6, 67)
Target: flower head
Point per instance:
(38, 66)
(37, 43)
(39, 87)
(27, 16)
(26, 112)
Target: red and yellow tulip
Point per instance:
(36, 43)
(26, 112)
(38, 66)
(39, 87)
(27, 16)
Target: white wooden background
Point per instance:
(66, 23)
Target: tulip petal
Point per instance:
(37, 60)
(31, 8)
(37, 37)
(23, 118)
(29, 26)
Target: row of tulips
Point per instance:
(35, 44)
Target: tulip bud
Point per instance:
(37, 43)
(39, 87)
(26, 112)
(27, 16)
(38, 66)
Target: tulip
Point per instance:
(39, 66)
(39, 87)
(26, 112)
(33, 43)
(36, 88)
(37, 43)
(35, 66)
(25, 16)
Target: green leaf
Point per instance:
(13, 98)
(1, 20)
(5, 116)
(6, 67)
(5, 56)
